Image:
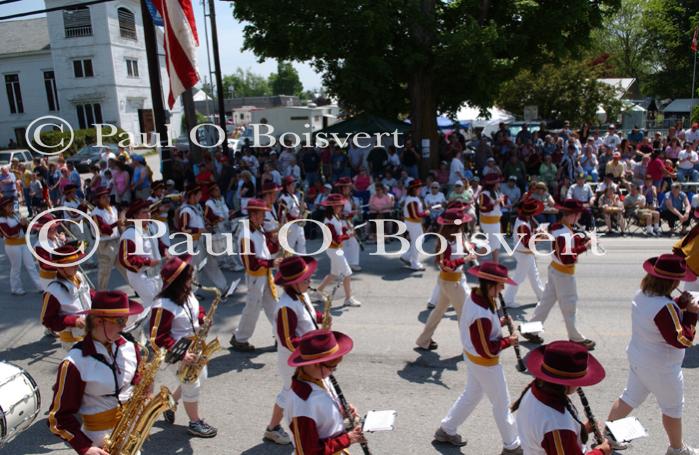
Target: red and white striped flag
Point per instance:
(694, 40)
(181, 42)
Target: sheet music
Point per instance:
(627, 429)
(531, 327)
(379, 421)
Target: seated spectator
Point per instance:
(512, 195)
(635, 206)
(616, 167)
(381, 206)
(548, 172)
(613, 209)
(677, 208)
(399, 191)
(435, 202)
(388, 180)
(686, 161)
(442, 175)
(589, 161)
(362, 182)
(606, 183)
(460, 194)
(657, 170)
(581, 191)
(541, 193)
(490, 167)
(639, 170)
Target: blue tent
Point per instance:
(445, 123)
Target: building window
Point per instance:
(51, 92)
(76, 22)
(14, 94)
(132, 67)
(127, 23)
(83, 68)
(89, 114)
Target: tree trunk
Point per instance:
(423, 104)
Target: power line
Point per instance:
(8, 1)
(48, 10)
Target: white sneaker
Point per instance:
(353, 302)
(356, 268)
(686, 450)
(20, 292)
(277, 435)
(418, 268)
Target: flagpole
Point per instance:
(694, 71)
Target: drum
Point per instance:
(20, 401)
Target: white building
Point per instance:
(86, 65)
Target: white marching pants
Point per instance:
(491, 229)
(259, 298)
(296, 239)
(488, 381)
(211, 269)
(525, 268)
(450, 293)
(560, 287)
(413, 255)
(285, 373)
(106, 258)
(351, 249)
(691, 286)
(19, 256)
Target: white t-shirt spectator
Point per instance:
(394, 160)
(695, 201)
(435, 199)
(691, 136)
(612, 141)
(514, 194)
(456, 171)
(686, 159)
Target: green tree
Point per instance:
(566, 91)
(241, 83)
(669, 25)
(394, 57)
(286, 80)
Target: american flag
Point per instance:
(180, 45)
(694, 40)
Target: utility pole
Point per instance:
(219, 78)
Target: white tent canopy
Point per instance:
(473, 114)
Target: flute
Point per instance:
(520, 364)
(588, 413)
(348, 412)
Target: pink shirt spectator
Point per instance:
(380, 203)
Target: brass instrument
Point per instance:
(137, 416)
(199, 347)
(328, 302)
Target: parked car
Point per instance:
(89, 155)
(24, 156)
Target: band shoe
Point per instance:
(516, 451)
(453, 439)
(352, 302)
(430, 306)
(430, 347)
(587, 343)
(277, 435)
(241, 346)
(169, 416)
(533, 338)
(201, 429)
(686, 450)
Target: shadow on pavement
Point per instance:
(267, 448)
(236, 361)
(446, 448)
(36, 351)
(428, 368)
(37, 437)
(691, 358)
(170, 436)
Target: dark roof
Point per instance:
(29, 35)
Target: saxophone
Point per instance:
(199, 347)
(137, 416)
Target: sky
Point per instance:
(230, 37)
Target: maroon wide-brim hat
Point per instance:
(69, 188)
(173, 267)
(288, 180)
(156, 185)
(343, 181)
(194, 189)
(269, 187)
(67, 255)
(101, 191)
(566, 363)
(531, 207)
(415, 183)
(259, 205)
(136, 206)
(491, 271)
(320, 346)
(4, 200)
(454, 216)
(669, 267)
(333, 199)
(42, 220)
(491, 179)
(295, 269)
(570, 206)
(113, 304)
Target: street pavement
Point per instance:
(384, 371)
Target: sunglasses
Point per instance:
(117, 321)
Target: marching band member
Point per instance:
(561, 285)
(482, 339)
(547, 421)
(413, 214)
(107, 219)
(349, 210)
(12, 232)
(191, 221)
(489, 203)
(217, 214)
(526, 267)
(338, 262)
(54, 239)
(290, 210)
(141, 269)
(686, 247)
(178, 314)
(662, 330)
(96, 377)
(295, 317)
(262, 293)
(71, 200)
(160, 211)
(316, 420)
(66, 297)
(270, 192)
(452, 281)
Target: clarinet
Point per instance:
(588, 413)
(346, 407)
(520, 364)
